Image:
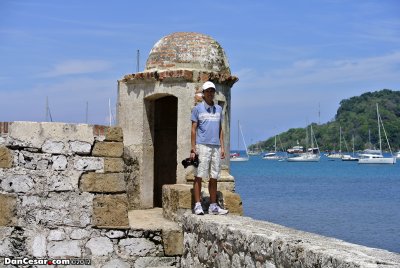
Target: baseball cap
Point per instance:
(207, 85)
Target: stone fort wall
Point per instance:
(243, 242)
(236, 241)
(63, 195)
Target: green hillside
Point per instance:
(356, 116)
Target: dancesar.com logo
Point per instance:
(32, 261)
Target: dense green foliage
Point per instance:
(357, 117)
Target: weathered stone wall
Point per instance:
(234, 241)
(63, 195)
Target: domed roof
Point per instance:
(187, 50)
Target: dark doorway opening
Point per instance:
(165, 144)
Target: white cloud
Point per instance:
(72, 67)
(292, 95)
(319, 72)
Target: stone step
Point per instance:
(178, 198)
(153, 220)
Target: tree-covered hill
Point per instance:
(357, 117)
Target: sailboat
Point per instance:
(272, 155)
(236, 156)
(347, 157)
(338, 155)
(377, 156)
(310, 155)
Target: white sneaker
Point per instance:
(216, 210)
(198, 210)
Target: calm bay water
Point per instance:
(356, 203)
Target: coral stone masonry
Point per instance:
(63, 194)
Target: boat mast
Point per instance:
(384, 131)
(340, 139)
(307, 139)
(244, 142)
(379, 128)
(238, 136)
(311, 137)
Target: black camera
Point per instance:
(191, 162)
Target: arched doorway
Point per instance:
(165, 144)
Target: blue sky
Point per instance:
(295, 59)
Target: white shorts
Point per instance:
(209, 161)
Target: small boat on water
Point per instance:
(311, 155)
(304, 157)
(272, 155)
(236, 157)
(334, 155)
(376, 159)
(296, 149)
(337, 155)
(347, 157)
(376, 156)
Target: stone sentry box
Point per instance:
(154, 109)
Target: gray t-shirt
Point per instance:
(208, 120)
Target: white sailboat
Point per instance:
(272, 155)
(308, 156)
(347, 157)
(339, 154)
(235, 156)
(377, 156)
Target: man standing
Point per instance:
(207, 140)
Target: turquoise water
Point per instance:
(356, 203)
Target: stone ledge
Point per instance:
(271, 245)
(177, 199)
(185, 75)
(153, 220)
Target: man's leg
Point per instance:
(197, 189)
(214, 208)
(212, 184)
(198, 209)
(212, 189)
